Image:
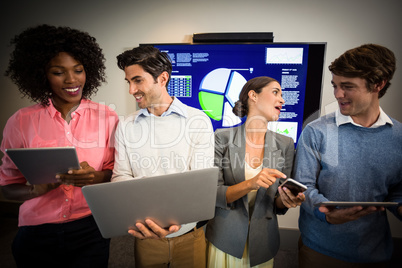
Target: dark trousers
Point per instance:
(309, 258)
(73, 244)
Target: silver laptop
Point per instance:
(40, 165)
(167, 199)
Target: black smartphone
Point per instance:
(294, 186)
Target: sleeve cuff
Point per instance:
(319, 215)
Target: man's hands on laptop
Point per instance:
(151, 230)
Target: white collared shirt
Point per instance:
(344, 119)
(175, 107)
(179, 140)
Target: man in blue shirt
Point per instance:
(353, 154)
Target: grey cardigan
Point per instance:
(229, 228)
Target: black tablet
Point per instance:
(40, 165)
(355, 203)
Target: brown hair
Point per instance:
(371, 62)
(257, 84)
(151, 59)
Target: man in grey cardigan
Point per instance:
(353, 154)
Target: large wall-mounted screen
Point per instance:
(210, 77)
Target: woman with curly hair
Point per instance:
(59, 68)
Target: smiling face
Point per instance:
(148, 93)
(355, 100)
(66, 77)
(268, 103)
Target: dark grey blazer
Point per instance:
(229, 228)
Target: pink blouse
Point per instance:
(90, 131)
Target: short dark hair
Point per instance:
(257, 84)
(36, 46)
(371, 62)
(151, 59)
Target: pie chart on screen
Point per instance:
(219, 90)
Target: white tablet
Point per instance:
(178, 198)
(356, 203)
(40, 165)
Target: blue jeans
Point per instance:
(72, 244)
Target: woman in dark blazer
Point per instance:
(251, 159)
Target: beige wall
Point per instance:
(122, 24)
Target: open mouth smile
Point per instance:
(72, 89)
(138, 97)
